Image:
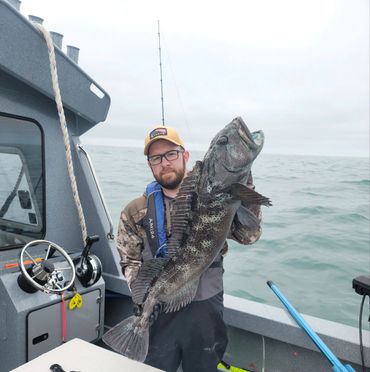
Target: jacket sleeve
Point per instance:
(130, 246)
(244, 234)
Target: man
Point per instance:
(194, 336)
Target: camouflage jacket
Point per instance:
(131, 236)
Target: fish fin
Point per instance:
(128, 339)
(247, 218)
(181, 298)
(181, 209)
(247, 195)
(148, 272)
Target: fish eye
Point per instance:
(223, 140)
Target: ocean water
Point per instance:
(315, 237)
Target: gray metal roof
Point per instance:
(24, 56)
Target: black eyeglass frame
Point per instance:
(178, 151)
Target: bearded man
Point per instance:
(195, 336)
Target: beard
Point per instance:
(171, 179)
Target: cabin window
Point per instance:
(22, 182)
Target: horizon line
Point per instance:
(133, 143)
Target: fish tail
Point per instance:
(129, 339)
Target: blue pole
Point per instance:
(334, 361)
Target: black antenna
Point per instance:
(160, 68)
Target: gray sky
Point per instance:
(297, 69)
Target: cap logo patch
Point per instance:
(158, 132)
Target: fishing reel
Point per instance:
(88, 267)
(42, 274)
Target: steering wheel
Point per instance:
(42, 274)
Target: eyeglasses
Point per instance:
(169, 155)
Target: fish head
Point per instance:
(230, 156)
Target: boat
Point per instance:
(39, 222)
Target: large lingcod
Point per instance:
(208, 200)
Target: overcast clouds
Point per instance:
(297, 69)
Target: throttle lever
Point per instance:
(81, 267)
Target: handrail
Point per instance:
(110, 235)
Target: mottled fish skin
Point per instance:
(228, 160)
(201, 219)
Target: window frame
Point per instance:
(16, 150)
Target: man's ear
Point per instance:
(186, 155)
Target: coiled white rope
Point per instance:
(63, 125)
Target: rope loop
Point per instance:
(63, 125)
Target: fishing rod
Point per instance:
(160, 69)
(333, 360)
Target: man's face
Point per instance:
(169, 174)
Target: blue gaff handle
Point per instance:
(334, 361)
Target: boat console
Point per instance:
(51, 285)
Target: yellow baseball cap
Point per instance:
(161, 132)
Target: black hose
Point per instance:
(360, 331)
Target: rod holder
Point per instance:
(57, 39)
(16, 4)
(35, 19)
(73, 53)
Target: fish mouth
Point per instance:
(253, 140)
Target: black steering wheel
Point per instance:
(42, 274)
